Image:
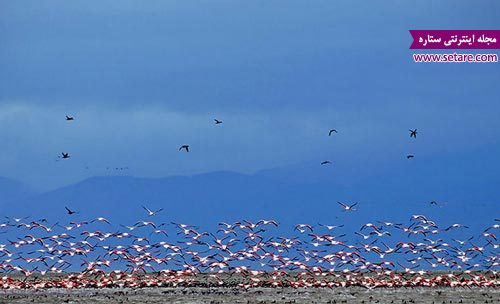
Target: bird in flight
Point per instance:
(100, 219)
(330, 227)
(185, 147)
(69, 118)
(150, 212)
(217, 122)
(332, 131)
(454, 226)
(347, 207)
(64, 155)
(438, 204)
(413, 133)
(326, 162)
(241, 243)
(70, 212)
(410, 156)
(17, 220)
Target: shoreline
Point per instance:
(253, 295)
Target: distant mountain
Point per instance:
(12, 190)
(206, 199)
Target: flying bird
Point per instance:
(410, 156)
(332, 131)
(69, 118)
(326, 162)
(17, 220)
(463, 242)
(100, 219)
(185, 147)
(413, 133)
(347, 207)
(150, 212)
(437, 204)
(64, 155)
(129, 251)
(70, 212)
(330, 227)
(302, 228)
(454, 226)
(217, 122)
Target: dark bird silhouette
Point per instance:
(332, 131)
(413, 133)
(69, 117)
(185, 147)
(326, 162)
(65, 155)
(217, 122)
(70, 212)
(410, 156)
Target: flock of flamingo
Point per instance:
(98, 253)
(152, 253)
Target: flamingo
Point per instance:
(347, 207)
(151, 213)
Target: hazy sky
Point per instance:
(144, 77)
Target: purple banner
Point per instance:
(455, 39)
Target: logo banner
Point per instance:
(455, 39)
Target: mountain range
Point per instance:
(463, 192)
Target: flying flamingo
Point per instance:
(347, 207)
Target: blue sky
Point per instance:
(142, 78)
